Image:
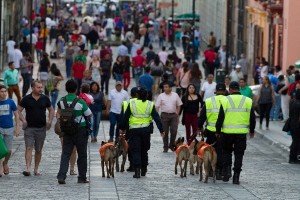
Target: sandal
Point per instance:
(37, 173)
(72, 173)
(26, 173)
(5, 169)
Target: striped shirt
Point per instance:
(81, 109)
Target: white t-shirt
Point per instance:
(10, 45)
(109, 23)
(163, 56)
(34, 38)
(208, 89)
(116, 99)
(15, 56)
(264, 71)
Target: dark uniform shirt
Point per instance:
(221, 118)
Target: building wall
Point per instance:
(291, 31)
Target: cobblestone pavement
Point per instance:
(266, 175)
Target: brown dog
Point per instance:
(182, 153)
(122, 149)
(208, 156)
(193, 159)
(108, 153)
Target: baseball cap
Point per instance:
(220, 87)
(234, 85)
(238, 66)
(119, 83)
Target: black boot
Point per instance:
(130, 169)
(137, 173)
(236, 178)
(218, 174)
(227, 174)
(143, 171)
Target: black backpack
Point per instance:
(67, 117)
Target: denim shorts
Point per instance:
(8, 136)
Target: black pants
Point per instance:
(211, 138)
(139, 144)
(80, 140)
(26, 83)
(210, 67)
(264, 110)
(233, 143)
(105, 80)
(295, 146)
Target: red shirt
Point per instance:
(78, 69)
(209, 55)
(39, 45)
(42, 11)
(292, 88)
(138, 61)
(103, 52)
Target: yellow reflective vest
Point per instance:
(237, 110)
(125, 105)
(213, 105)
(140, 113)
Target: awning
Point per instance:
(187, 16)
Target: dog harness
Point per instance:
(200, 152)
(103, 149)
(180, 147)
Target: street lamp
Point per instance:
(172, 47)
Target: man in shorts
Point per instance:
(35, 125)
(7, 129)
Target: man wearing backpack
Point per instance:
(71, 113)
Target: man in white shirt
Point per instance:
(10, 44)
(237, 74)
(163, 55)
(114, 108)
(15, 56)
(110, 24)
(264, 69)
(208, 89)
(135, 46)
(169, 104)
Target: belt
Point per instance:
(13, 85)
(168, 113)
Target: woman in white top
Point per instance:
(95, 68)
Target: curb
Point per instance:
(283, 149)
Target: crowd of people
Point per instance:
(89, 70)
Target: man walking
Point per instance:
(11, 80)
(140, 111)
(147, 81)
(210, 113)
(235, 118)
(169, 104)
(35, 125)
(79, 136)
(114, 108)
(7, 130)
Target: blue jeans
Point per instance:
(137, 73)
(54, 95)
(108, 33)
(69, 63)
(96, 123)
(274, 114)
(118, 77)
(114, 120)
(161, 42)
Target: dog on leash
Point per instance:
(122, 149)
(108, 154)
(193, 159)
(182, 154)
(208, 157)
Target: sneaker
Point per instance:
(82, 181)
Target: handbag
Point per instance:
(3, 148)
(287, 127)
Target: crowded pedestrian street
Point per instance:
(87, 84)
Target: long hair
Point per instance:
(156, 60)
(196, 72)
(185, 66)
(186, 94)
(127, 61)
(91, 86)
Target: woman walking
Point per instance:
(126, 72)
(96, 108)
(182, 79)
(192, 102)
(195, 77)
(265, 100)
(44, 69)
(55, 78)
(157, 69)
(95, 69)
(118, 69)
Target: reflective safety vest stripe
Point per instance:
(237, 110)
(125, 105)
(140, 113)
(212, 105)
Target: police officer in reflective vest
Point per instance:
(133, 94)
(235, 118)
(139, 115)
(209, 113)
